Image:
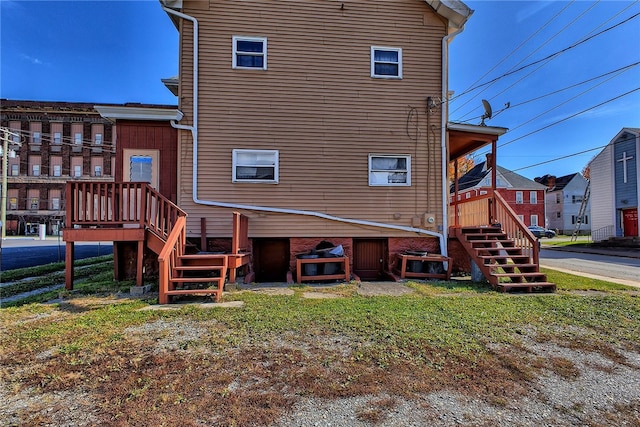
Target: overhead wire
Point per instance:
(552, 55)
(512, 53)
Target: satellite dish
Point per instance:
(487, 111)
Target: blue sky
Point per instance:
(117, 51)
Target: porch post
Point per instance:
(456, 220)
(68, 261)
(494, 180)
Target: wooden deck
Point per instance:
(135, 212)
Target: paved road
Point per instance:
(29, 252)
(614, 268)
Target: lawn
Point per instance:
(121, 364)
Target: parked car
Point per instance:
(539, 232)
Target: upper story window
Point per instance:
(386, 62)
(250, 52)
(97, 139)
(519, 198)
(389, 170)
(77, 138)
(57, 138)
(533, 197)
(257, 166)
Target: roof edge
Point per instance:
(485, 130)
(139, 113)
(454, 11)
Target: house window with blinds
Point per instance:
(255, 166)
(250, 53)
(389, 170)
(386, 62)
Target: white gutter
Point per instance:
(443, 137)
(194, 133)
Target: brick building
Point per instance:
(54, 142)
(524, 196)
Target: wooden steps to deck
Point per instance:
(198, 274)
(505, 265)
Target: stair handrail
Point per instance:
(516, 230)
(167, 260)
(160, 212)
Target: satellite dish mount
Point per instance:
(487, 111)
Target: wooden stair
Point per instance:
(198, 274)
(503, 263)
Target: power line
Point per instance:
(620, 70)
(573, 154)
(570, 117)
(511, 53)
(574, 45)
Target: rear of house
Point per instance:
(320, 121)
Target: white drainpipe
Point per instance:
(194, 133)
(443, 136)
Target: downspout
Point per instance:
(194, 133)
(443, 137)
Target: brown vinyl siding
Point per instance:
(317, 104)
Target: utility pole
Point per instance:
(5, 163)
(6, 134)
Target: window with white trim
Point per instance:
(533, 197)
(257, 166)
(519, 198)
(77, 171)
(97, 171)
(250, 53)
(386, 62)
(57, 170)
(35, 170)
(389, 170)
(533, 219)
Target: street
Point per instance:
(614, 268)
(20, 253)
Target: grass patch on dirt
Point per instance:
(248, 365)
(570, 282)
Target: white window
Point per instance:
(519, 198)
(13, 203)
(98, 139)
(140, 168)
(36, 170)
(57, 138)
(534, 219)
(15, 170)
(77, 138)
(389, 170)
(57, 170)
(255, 166)
(386, 62)
(97, 171)
(36, 138)
(521, 218)
(15, 137)
(55, 204)
(77, 171)
(250, 52)
(533, 197)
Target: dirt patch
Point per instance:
(371, 289)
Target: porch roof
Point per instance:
(465, 138)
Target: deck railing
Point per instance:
(119, 204)
(515, 229)
(168, 258)
(477, 211)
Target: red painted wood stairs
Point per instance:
(505, 265)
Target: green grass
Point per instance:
(570, 282)
(139, 365)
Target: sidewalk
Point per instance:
(30, 241)
(617, 251)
